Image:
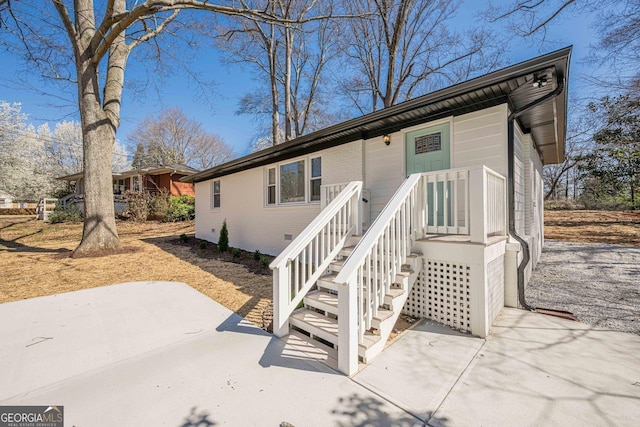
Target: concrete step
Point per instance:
(316, 324)
(322, 300)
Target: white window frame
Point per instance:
(269, 185)
(314, 178)
(214, 194)
(307, 180)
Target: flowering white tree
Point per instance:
(31, 158)
(64, 146)
(22, 155)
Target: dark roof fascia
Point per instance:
(349, 131)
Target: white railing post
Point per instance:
(348, 328)
(477, 200)
(356, 212)
(280, 301)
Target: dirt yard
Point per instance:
(615, 228)
(35, 258)
(35, 261)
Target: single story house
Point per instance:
(432, 207)
(6, 200)
(150, 179)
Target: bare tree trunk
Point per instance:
(100, 121)
(288, 36)
(275, 116)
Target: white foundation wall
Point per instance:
(253, 225)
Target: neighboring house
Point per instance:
(450, 228)
(6, 200)
(151, 179)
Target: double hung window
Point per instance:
(292, 182)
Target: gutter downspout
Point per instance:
(511, 186)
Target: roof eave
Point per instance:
(323, 138)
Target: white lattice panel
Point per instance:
(442, 293)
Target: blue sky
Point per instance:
(232, 82)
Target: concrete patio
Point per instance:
(160, 353)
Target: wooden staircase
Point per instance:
(314, 327)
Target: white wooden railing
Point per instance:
(496, 203)
(328, 192)
(367, 275)
(298, 267)
(44, 208)
(468, 201)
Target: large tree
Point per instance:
(98, 38)
(613, 168)
(172, 137)
(289, 62)
(406, 48)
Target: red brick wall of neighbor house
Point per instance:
(173, 184)
(181, 188)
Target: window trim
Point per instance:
(307, 182)
(214, 194)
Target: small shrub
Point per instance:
(184, 238)
(70, 214)
(257, 255)
(160, 203)
(138, 206)
(264, 261)
(202, 244)
(223, 240)
(236, 252)
(182, 208)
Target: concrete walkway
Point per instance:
(159, 353)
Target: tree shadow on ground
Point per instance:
(14, 246)
(198, 419)
(361, 411)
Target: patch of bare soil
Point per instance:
(617, 228)
(35, 258)
(35, 261)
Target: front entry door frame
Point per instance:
(436, 160)
(444, 126)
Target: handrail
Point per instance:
(329, 191)
(300, 264)
(316, 225)
(368, 273)
(365, 245)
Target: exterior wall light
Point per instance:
(386, 139)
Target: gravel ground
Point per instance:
(598, 283)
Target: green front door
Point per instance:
(428, 150)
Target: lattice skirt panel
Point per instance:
(442, 293)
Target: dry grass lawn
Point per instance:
(35, 261)
(35, 258)
(616, 228)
